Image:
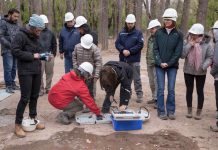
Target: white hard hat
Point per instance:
(88, 67)
(215, 26)
(68, 16)
(44, 18)
(130, 18)
(196, 28)
(80, 20)
(153, 23)
(29, 124)
(170, 13)
(87, 41)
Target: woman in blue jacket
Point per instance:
(168, 47)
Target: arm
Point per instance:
(118, 45)
(61, 44)
(54, 45)
(97, 62)
(177, 53)
(209, 57)
(86, 98)
(5, 39)
(157, 58)
(135, 49)
(75, 64)
(17, 49)
(186, 49)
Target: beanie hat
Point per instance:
(36, 21)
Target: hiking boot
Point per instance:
(19, 131)
(40, 126)
(9, 89)
(171, 116)
(163, 117)
(198, 114)
(153, 101)
(41, 93)
(189, 113)
(139, 99)
(15, 87)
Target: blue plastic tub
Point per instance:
(126, 125)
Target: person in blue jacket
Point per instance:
(168, 46)
(69, 37)
(129, 43)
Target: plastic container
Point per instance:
(126, 125)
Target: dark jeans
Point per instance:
(171, 78)
(29, 87)
(9, 65)
(68, 64)
(90, 85)
(189, 82)
(216, 92)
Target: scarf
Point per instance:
(195, 55)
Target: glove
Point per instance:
(45, 56)
(99, 117)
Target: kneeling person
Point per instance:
(112, 74)
(62, 94)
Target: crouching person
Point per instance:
(112, 74)
(63, 94)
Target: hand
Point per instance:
(36, 56)
(123, 107)
(126, 53)
(164, 65)
(99, 117)
(62, 56)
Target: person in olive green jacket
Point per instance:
(153, 26)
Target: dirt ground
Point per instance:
(156, 134)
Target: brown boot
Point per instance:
(40, 126)
(19, 131)
(198, 114)
(189, 114)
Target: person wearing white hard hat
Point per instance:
(198, 54)
(214, 69)
(87, 51)
(26, 48)
(63, 94)
(129, 43)
(48, 43)
(68, 38)
(84, 28)
(153, 26)
(168, 45)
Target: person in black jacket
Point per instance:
(26, 48)
(112, 74)
(8, 29)
(49, 45)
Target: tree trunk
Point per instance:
(69, 5)
(138, 13)
(1, 8)
(104, 24)
(118, 20)
(167, 4)
(202, 12)
(18, 4)
(79, 8)
(148, 9)
(36, 7)
(129, 5)
(161, 9)
(54, 15)
(153, 9)
(185, 16)
(49, 13)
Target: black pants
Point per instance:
(90, 85)
(216, 92)
(29, 87)
(189, 82)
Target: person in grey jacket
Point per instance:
(8, 29)
(198, 55)
(49, 45)
(87, 51)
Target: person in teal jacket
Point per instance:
(168, 46)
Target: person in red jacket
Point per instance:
(63, 95)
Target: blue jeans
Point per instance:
(68, 64)
(10, 66)
(170, 103)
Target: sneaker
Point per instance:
(153, 101)
(163, 117)
(9, 89)
(41, 93)
(171, 116)
(15, 87)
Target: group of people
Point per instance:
(34, 48)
